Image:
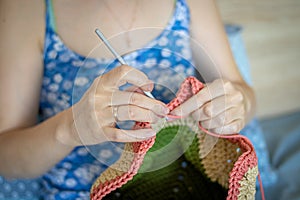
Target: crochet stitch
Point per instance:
(232, 162)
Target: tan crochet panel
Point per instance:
(247, 185)
(219, 162)
(118, 168)
(218, 155)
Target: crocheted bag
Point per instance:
(228, 168)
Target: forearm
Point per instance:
(30, 152)
(211, 49)
(212, 53)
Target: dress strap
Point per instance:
(51, 22)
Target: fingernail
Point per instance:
(151, 133)
(150, 86)
(165, 110)
(161, 110)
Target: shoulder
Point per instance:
(197, 9)
(192, 2)
(200, 7)
(21, 33)
(20, 20)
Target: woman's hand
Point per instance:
(95, 115)
(221, 106)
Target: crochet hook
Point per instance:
(117, 56)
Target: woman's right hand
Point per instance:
(95, 115)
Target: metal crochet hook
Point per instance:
(118, 57)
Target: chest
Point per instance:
(129, 25)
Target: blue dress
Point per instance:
(167, 60)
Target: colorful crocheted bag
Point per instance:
(212, 166)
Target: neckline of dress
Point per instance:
(128, 56)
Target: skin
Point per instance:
(29, 149)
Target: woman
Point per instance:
(43, 61)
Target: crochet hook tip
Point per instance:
(149, 94)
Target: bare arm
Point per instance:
(228, 103)
(26, 149)
(207, 31)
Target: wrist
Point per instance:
(249, 100)
(66, 133)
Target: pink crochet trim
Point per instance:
(245, 162)
(188, 88)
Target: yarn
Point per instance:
(213, 167)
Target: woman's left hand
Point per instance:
(221, 107)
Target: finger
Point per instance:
(223, 118)
(215, 107)
(133, 98)
(208, 93)
(120, 135)
(234, 127)
(135, 113)
(134, 89)
(125, 74)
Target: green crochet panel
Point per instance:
(179, 180)
(168, 143)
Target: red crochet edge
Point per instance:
(246, 161)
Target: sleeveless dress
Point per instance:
(167, 60)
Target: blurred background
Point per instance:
(271, 32)
(271, 35)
